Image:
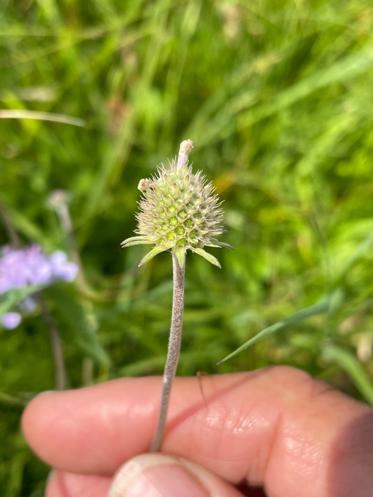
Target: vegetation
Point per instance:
(277, 98)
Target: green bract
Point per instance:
(179, 210)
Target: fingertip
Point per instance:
(82, 430)
(166, 476)
(35, 418)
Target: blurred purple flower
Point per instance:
(62, 269)
(10, 320)
(22, 267)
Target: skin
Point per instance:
(276, 428)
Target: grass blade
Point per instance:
(41, 116)
(319, 308)
(353, 368)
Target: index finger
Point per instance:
(276, 427)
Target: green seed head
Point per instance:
(178, 210)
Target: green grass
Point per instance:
(277, 98)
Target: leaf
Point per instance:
(218, 244)
(209, 257)
(135, 240)
(26, 226)
(77, 322)
(353, 368)
(321, 307)
(155, 251)
(220, 116)
(359, 252)
(7, 400)
(41, 116)
(342, 70)
(13, 297)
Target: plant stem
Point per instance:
(12, 233)
(173, 352)
(57, 352)
(59, 201)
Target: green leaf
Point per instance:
(78, 324)
(321, 307)
(353, 368)
(135, 240)
(24, 225)
(359, 252)
(16, 296)
(155, 251)
(7, 400)
(210, 258)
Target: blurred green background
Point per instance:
(277, 97)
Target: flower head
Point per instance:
(20, 267)
(10, 320)
(178, 211)
(23, 267)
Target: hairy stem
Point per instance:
(173, 352)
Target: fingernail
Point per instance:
(155, 475)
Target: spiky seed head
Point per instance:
(178, 211)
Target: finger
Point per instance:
(166, 476)
(276, 426)
(143, 476)
(61, 484)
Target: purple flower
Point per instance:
(10, 320)
(32, 266)
(37, 268)
(22, 267)
(62, 269)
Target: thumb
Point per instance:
(158, 475)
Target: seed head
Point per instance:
(178, 211)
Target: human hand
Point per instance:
(276, 428)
